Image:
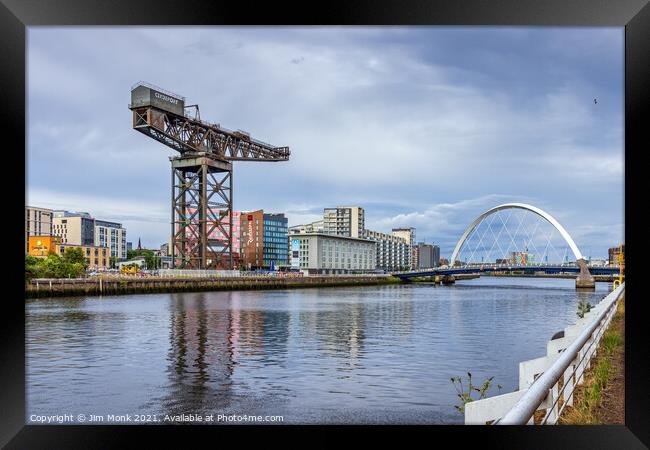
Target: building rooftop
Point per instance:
(332, 236)
(63, 213)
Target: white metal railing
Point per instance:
(549, 382)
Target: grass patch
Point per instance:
(589, 396)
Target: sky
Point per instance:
(423, 127)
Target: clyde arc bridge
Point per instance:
(515, 237)
(201, 178)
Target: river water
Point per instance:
(370, 355)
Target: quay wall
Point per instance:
(132, 285)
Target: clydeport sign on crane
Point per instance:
(201, 206)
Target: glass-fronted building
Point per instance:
(275, 244)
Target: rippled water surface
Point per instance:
(333, 355)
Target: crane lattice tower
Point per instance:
(201, 175)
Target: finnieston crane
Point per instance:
(201, 206)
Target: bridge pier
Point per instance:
(585, 280)
(448, 279)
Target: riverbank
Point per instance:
(132, 285)
(601, 398)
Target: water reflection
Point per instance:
(362, 355)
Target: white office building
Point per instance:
(319, 253)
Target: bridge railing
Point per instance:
(548, 383)
(507, 267)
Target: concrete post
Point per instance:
(585, 280)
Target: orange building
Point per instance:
(41, 246)
(96, 257)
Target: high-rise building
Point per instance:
(393, 253)
(112, 235)
(409, 235)
(76, 228)
(275, 244)
(264, 240)
(436, 256)
(320, 253)
(415, 257)
(429, 255)
(344, 221)
(38, 222)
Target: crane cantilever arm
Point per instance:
(185, 134)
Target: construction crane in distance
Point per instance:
(202, 192)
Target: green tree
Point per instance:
(149, 259)
(52, 267)
(75, 270)
(32, 268)
(74, 255)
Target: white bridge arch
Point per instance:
(539, 212)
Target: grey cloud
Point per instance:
(405, 120)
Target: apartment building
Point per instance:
(344, 221)
(111, 235)
(76, 228)
(393, 253)
(409, 235)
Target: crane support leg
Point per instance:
(201, 212)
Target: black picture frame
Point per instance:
(634, 15)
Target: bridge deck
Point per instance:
(495, 268)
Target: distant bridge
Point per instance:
(482, 268)
(584, 273)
